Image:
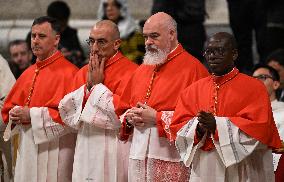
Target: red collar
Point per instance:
(49, 60)
(177, 51)
(220, 80)
(113, 59)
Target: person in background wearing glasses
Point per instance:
(271, 79)
(99, 155)
(276, 61)
(223, 124)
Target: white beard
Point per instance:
(155, 58)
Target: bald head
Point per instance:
(164, 20)
(160, 33)
(227, 37)
(221, 53)
(104, 39)
(109, 27)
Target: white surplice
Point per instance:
(278, 115)
(237, 157)
(45, 148)
(97, 125)
(99, 155)
(7, 81)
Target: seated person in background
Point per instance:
(276, 61)
(69, 43)
(271, 80)
(132, 45)
(20, 55)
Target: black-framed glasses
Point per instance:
(100, 42)
(220, 51)
(263, 77)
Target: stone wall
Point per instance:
(81, 9)
(17, 15)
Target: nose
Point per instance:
(108, 8)
(148, 41)
(17, 58)
(35, 39)
(211, 55)
(94, 47)
(20, 58)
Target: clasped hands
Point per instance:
(207, 123)
(20, 115)
(95, 73)
(141, 115)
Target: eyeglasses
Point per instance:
(100, 42)
(220, 51)
(263, 77)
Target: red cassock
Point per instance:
(279, 173)
(43, 84)
(243, 99)
(160, 87)
(118, 70)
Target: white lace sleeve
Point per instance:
(233, 145)
(2, 124)
(70, 107)
(167, 119)
(43, 127)
(185, 141)
(99, 109)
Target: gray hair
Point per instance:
(113, 27)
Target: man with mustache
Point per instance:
(46, 147)
(150, 98)
(223, 124)
(99, 155)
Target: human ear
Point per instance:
(276, 85)
(172, 35)
(57, 39)
(117, 44)
(235, 54)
